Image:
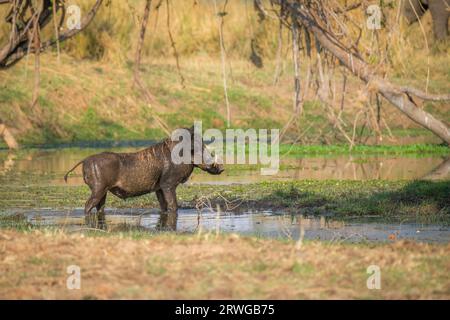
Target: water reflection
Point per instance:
(167, 221)
(49, 167)
(96, 220)
(263, 223)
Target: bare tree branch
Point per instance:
(150, 99)
(172, 43)
(18, 46)
(223, 59)
(425, 96)
(141, 38)
(352, 61)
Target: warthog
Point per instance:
(134, 174)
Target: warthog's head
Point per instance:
(201, 156)
(210, 162)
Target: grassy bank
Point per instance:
(168, 266)
(84, 100)
(285, 150)
(420, 199)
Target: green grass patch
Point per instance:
(419, 199)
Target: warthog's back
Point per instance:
(124, 174)
(139, 173)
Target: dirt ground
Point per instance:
(172, 266)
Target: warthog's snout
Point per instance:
(220, 169)
(213, 168)
(211, 165)
(216, 168)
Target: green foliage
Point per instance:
(415, 150)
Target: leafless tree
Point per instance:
(326, 23)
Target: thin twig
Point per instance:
(150, 99)
(55, 25)
(140, 44)
(279, 52)
(36, 34)
(174, 48)
(223, 60)
(295, 57)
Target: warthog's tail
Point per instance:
(67, 174)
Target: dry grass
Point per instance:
(170, 266)
(193, 25)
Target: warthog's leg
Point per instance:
(172, 218)
(162, 221)
(171, 199)
(101, 219)
(94, 200)
(162, 200)
(101, 205)
(168, 219)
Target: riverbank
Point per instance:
(169, 266)
(84, 100)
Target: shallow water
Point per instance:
(49, 166)
(264, 224)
